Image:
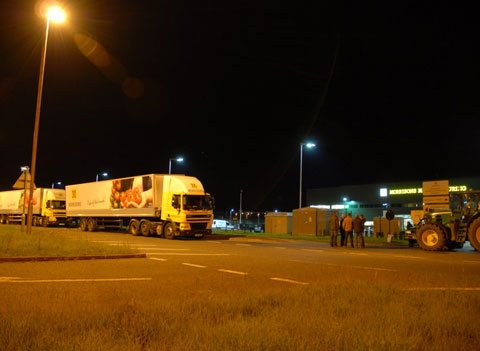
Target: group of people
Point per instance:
(347, 225)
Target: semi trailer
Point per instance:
(48, 206)
(154, 204)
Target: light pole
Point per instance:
(309, 146)
(240, 211)
(58, 183)
(178, 159)
(24, 170)
(104, 174)
(56, 15)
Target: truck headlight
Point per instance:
(185, 226)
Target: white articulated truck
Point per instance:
(48, 206)
(165, 205)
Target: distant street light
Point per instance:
(104, 174)
(178, 159)
(56, 15)
(58, 183)
(309, 146)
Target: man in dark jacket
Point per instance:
(358, 227)
(342, 231)
(333, 229)
(348, 226)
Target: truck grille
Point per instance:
(198, 226)
(197, 218)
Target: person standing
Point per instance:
(348, 226)
(334, 226)
(342, 231)
(358, 227)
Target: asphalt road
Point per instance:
(179, 267)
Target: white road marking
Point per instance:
(280, 247)
(158, 259)
(312, 250)
(374, 268)
(471, 261)
(289, 281)
(127, 244)
(233, 272)
(193, 265)
(211, 241)
(443, 289)
(3, 279)
(184, 254)
(243, 244)
(160, 248)
(74, 280)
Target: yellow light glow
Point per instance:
(56, 14)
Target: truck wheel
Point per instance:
(134, 227)
(83, 224)
(474, 234)
(145, 227)
(431, 237)
(44, 221)
(92, 224)
(169, 231)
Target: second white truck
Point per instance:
(48, 206)
(152, 204)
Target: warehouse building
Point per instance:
(373, 200)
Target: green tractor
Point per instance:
(443, 229)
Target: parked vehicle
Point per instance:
(222, 224)
(439, 229)
(165, 205)
(48, 206)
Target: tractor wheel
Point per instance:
(44, 221)
(145, 227)
(474, 234)
(92, 224)
(431, 237)
(83, 224)
(169, 231)
(134, 227)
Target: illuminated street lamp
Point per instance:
(56, 15)
(104, 174)
(178, 159)
(58, 183)
(309, 146)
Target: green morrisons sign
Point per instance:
(411, 191)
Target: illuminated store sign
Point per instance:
(409, 191)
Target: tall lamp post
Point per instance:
(178, 159)
(104, 174)
(56, 15)
(309, 146)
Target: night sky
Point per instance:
(389, 91)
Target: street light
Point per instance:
(104, 174)
(178, 159)
(56, 15)
(58, 183)
(309, 146)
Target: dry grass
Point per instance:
(339, 316)
(48, 242)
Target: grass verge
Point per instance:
(345, 316)
(368, 239)
(46, 242)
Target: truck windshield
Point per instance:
(197, 202)
(57, 205)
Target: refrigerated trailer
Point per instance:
(48, 206)
(152, 204)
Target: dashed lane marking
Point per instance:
(312, 250)
(128, 244)
(357, 253)
(243, 244)
(158, 259)
(161, 248)
(193, 265)
(404, 256)
(185, 254)
(233, 272)
(211, 241)
(280, 247)
(73, 280)
(374, 268)
(289, 281)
